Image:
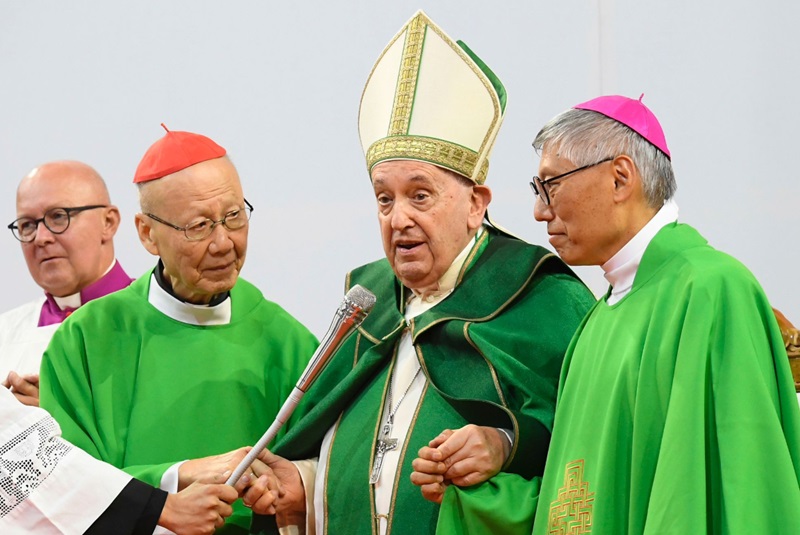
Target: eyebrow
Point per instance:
(414, 179)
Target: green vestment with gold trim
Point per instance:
(676, 410)
(491, 352)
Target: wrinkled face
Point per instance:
(197, 270)
(580, 215)
(427, 216)
(64, 264)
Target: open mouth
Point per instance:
(408, 246)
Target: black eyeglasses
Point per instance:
(203, 229)
(540, 188)
(55, 219)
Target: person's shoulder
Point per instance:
(712, 265)
(377, 276)
(122, 302)
(545, 262)
(702, 267)
(380, 267)
(266, 309)
(20, 320)
(21, 312)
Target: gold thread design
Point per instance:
(415, 335)
(407, 78)
(436, 151)
(484, 236)
(571, 512)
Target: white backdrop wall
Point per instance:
(278, 84)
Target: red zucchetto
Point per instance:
(173, 152)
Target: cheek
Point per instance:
(386, 234)
(27, 253)
(240, 245)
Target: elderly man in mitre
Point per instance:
(468, 333)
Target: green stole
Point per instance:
(351, 458)
(464, 384)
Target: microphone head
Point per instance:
(351, 312)
(361, 297)
(357, 303)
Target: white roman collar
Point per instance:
(74, 300)
(620, 270)
(186, 312)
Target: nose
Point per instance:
(43, 234)
(542, 211)
(401, 216)
(221, 241)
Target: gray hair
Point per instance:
(146, 196)
(584, 137)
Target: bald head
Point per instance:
(66, 172)
(65, 263)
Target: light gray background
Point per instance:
(278, 84)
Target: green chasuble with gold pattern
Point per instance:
(676, 410)
(491, 353)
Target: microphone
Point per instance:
(355, 306)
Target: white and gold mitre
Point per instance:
(429, 98)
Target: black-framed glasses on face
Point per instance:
(540, 187)
(201, 230)
(55, 219)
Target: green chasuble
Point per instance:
(676, 411)
(142, 391)
(491, 353)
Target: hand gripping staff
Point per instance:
(351, 312)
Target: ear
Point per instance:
(110, 223)
(626, 178)
(144, 228)
(480, 197)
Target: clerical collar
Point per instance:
(87, 294)
(447, 283)
(167, 287)
(56, 309)
(620, 270)
(216, 313)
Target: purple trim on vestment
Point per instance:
(115, 279)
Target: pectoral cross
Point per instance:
(384, 444)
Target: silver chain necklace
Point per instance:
(385, 443)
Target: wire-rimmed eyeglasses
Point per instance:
(201, 230)
(55, 219)
(540, 187)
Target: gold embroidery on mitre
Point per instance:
(571, 513)
(407, 80)
(439, 152)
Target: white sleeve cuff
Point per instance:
(308, 474)
(509, 434)
(169, 481)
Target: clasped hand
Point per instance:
(258, 487)
(463, 457)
